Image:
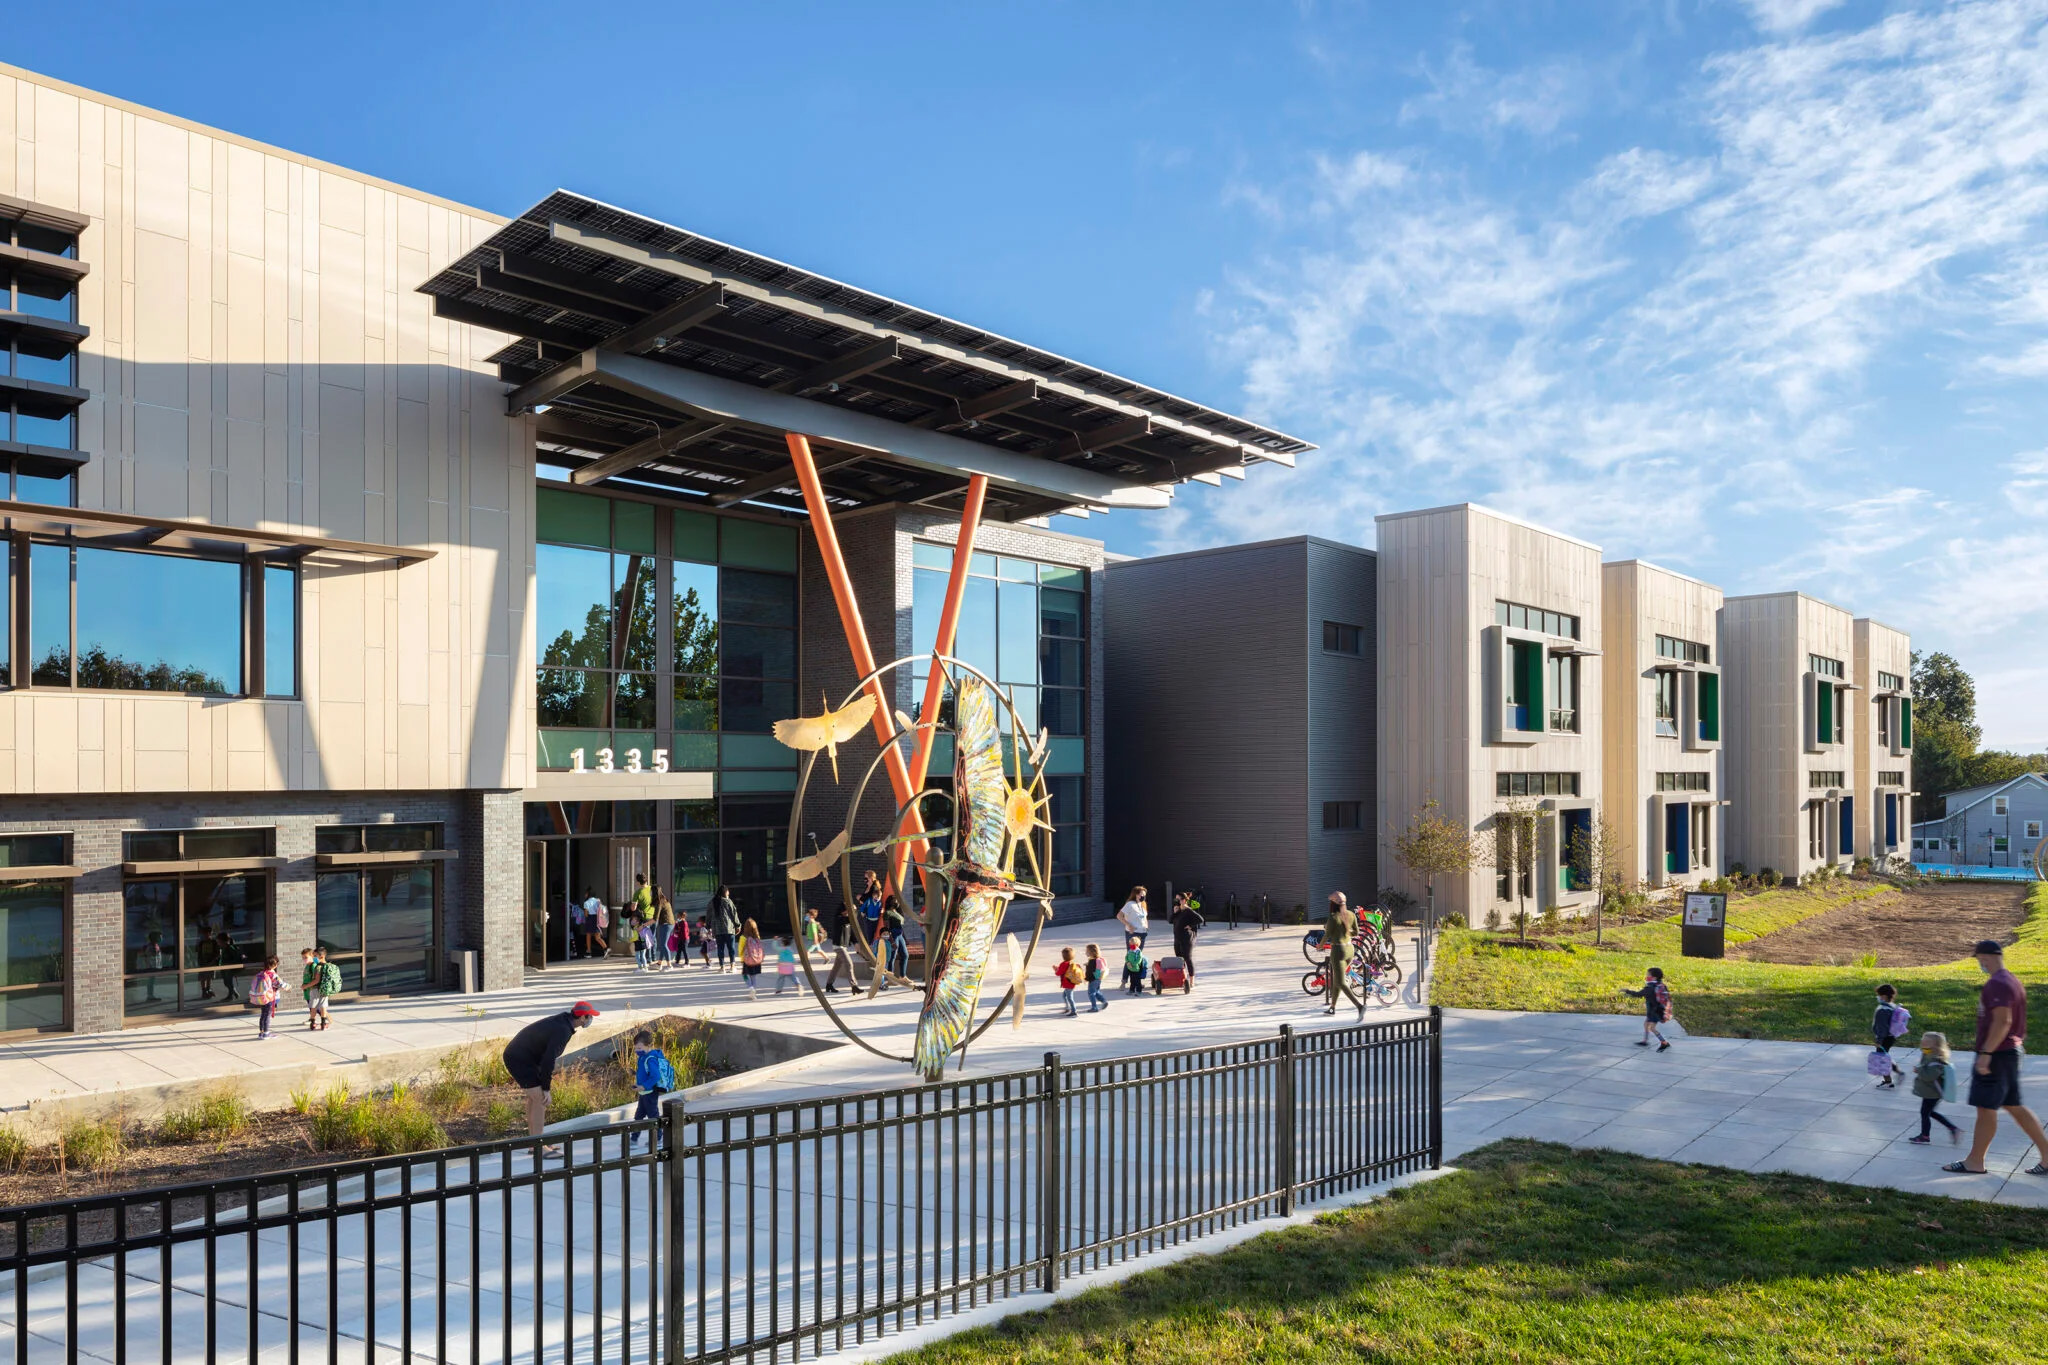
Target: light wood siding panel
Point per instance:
(1768, 640)
(1879, 649)
(259, 356)
(1343, 764)
(1207, 722)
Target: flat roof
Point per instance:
(648, 348)
(1483, 509)
(1642, 563)
(1248, 545)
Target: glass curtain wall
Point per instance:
(33, 952)
(1024, 623)
(381, 925)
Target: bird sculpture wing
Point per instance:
(819, 863)
(807, 733)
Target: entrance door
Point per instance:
(1891, 820)
(1848, 831)
(536, 905)
(1677, 838)
(631, 859)
(1574, 831)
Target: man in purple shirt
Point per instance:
(1995, 1083)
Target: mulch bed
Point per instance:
(1917, 926)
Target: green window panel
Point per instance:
(1060, 576)
(1824, 711)
(758, 545)
(633, 527)
(732, 783)
(1067, 756)
(574, 518)
(1710, 706)
(693, 753)
(755, 751)
(556, 744)
(1905, 722)
(695, 536)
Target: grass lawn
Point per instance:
(1532, 1252)
(1723, 997)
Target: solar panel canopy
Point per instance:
(654, 354)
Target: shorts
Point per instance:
(1998, 1087)
(316, 1002)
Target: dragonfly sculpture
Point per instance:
(987, 858)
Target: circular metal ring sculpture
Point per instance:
(970, 869)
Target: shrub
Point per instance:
(578, 1092)
(479, 1064)
(13, 1149)
(1737, 870)
(1867, 960)
(1769, 877)
(503, 1117)
(1550, 921)
(341, 1121)
(302, 1101)
(445, 1097)
(90, 1145)
(216, 1116)
(402, 1124)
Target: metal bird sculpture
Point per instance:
(827, 731)
(819, 863)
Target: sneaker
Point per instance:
(1644, 1043)
(1663, 1047)
(1920, 1141)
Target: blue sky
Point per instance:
(1757, 289)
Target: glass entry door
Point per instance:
(536, 904)
(381, 927)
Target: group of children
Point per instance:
(319, 981)
(1073, 975)
(1934, 1075)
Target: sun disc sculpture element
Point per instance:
(970, 870)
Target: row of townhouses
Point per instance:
(1625, 707)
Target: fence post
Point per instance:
(1436, 1087)
(1283, 1121)
(673, 1288)
(1050, 1134)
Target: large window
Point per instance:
(192, 940)
(1339, 638)
(1686, 651)
(1535, 784)
(1537, 619)
(667, 636)
(1024, 623)
(381, 924)
(1564, 693)
(33, 951)
(1667, 702)
(1684, 782)
(138, 621)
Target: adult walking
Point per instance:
(725, 926)
(531, 1058)
(1338, 927)
(1995, 1081)
(664, 925)
(869, 907)
(895, 940)
(1133, 917)
(1186, 921)
(592, 925)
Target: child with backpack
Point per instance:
(653, 1076)
(1069, 973)
(1934, 1080)
(1134, 966)
(785, 964)
(753, 952)
(309, 986)
(1887, 1026)
(1094, 971)
(1656, 998)
(264, 992)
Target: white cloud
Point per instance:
(1466, 97)
(1694, 351)
(1787, 16)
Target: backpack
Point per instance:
(266, 990)
(1902, 1019)
(1661, 993)
(1068, 974)
(753, 955)
(330, 979)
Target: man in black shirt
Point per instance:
(533, 1052)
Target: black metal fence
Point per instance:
(767, 1233)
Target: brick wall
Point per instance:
(480, 893)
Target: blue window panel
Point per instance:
(975, 642)
(60, 432)
(280, 631)
(149, 622)
(1017, 570)
(1061, 613)
(925, 555)
(927, 603)
(755, 751)
(573, 625)
(1017, 624)
(1066, 756)
(49, 615)
(982, 564)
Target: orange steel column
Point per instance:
(949, 622)
(849, 620)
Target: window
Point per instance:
(1564, 693)
(1524, 686)
(1343, 814)
(1826, 667)
(1815, 820)
(1891, 777)
(2033, 829)
(1339, 638)
(408, 838)
(192, 942)
(1684, 782)
(1024, 623)
(1890, 682)
(1536, 619)
(1686, 651)
(381, 925)
(1823, 777)
(33, 952)
(1998, 805)
(1998, 843)
(140, 621)
(1954, 844)
(1667, 702)
(664, 631)
(1884, 721)
(41, 348)
(1535, 784)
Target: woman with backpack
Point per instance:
(1656, 998)
(725, 923)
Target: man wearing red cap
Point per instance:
(533, 1052)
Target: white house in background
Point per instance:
(1488, 636)
(1787, 674)
(1999, 824)
(1884, 750)
(1661, 701)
